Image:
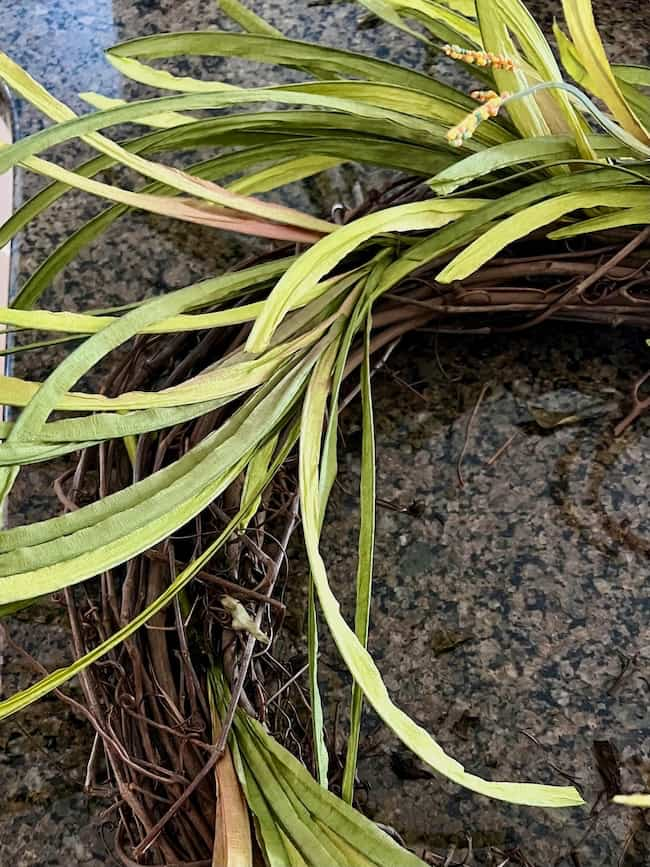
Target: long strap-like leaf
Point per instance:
(591, 54)
(365, 561)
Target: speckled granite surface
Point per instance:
(536, 570)
(539, 565)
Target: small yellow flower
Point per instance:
(483, 95)
(480, 58)
(459, 134)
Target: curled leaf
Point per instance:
(241, 619)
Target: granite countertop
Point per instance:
(510, 615)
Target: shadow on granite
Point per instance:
(509, 615)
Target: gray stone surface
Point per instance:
(539, 564)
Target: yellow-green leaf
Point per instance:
(523, 223)
(591, 55)
(322, 257)
(636, 800)
(639, 216)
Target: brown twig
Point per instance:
(506, 445)
(468, 430)
(230, 586)
(638, 406)
(237, 690)
(597, 274)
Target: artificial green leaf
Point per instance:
(83, 323)
(16, 349)
(632, 74)
(256, 471)
(321, 756)
(364, 117)
(465, 7)
(443, 23)
(282, 52)
(529, 150)
(444, 108)
(537, 52)
(591, 55)
(314, 407)
(11, 608)
(433, 15)
(96, 347)
(639, 216)
(638, 800)
(311, 845)
(292, 808)
(166, 120)
(190, 210)
(283, 173)
(525, 222)
(24, 454)
(39, 97)
(525, 113)
(181, 138)
(322, 257)
(387, 12)
(246, 18)
(45, 568)
(403, 156)
(365, 563)
(472, 225)
(398, 98)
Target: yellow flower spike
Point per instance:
(483, 95)
(480, 58)
(466, 128)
